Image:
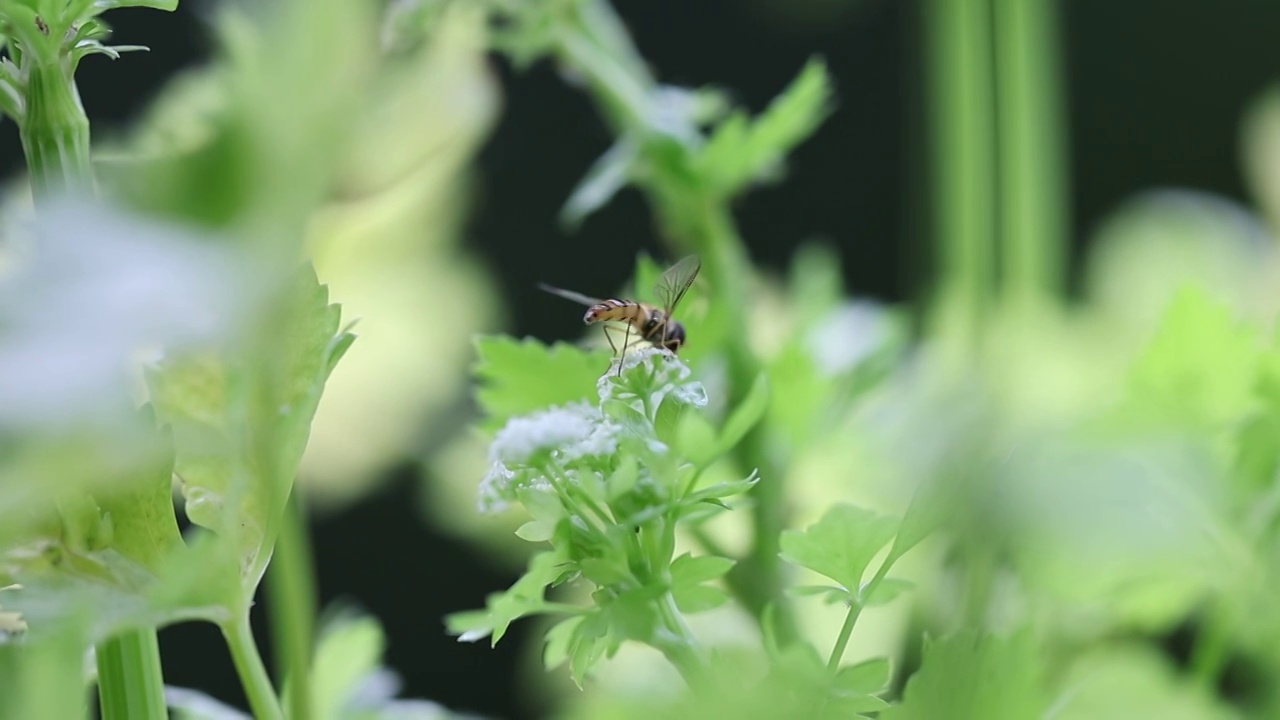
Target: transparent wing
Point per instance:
(571, 295)
(675, 282)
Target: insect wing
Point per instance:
(675, 282)
(571, 295)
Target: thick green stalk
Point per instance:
(55, 140)
(130, 682)
(1033, 175)
(291, 593)
(959, 87)
(55, 132)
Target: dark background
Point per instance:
(1156, 92)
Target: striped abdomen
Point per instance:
(648, 321)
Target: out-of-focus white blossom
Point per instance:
(11, 623)
(86, 289)
(847, 335)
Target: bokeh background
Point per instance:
(1157, 91)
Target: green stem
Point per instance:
(855, 610)
(680, 647)
(1033, 183)
(252, 671)
(291, 593)
(958, 40)
(55, 132)
(130, 680)
(846, 631)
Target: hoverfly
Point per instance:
(653, 324)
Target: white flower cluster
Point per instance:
(555, 439)
(649, 376)
(562, 434)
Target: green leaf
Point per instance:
(688, 570)
(691, 599)
(144, 527)
(240, 427)
(830, 594)
(525, 597)
(536, 531)
(687, 577)
(518, 377)
(605, 571)
(1134, 681)
(741, 152)
(168, 5)
(841, 544)
(886, 591)
(864, 678)
(721, 490)
(606, 177)
(1200, 368)
(558, 640)
(350, 647)
(587, 645)
(633, 614)
(965, 676)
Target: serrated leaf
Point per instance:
(606, 177)
(558, 639)
(965, 676)
(525, 597)
(587, 645)
(519, 376)
(741, 152)
(840, 544)
(240, 427)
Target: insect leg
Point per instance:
(609, 336)
(625, 340)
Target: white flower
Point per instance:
(564, 434)
(659, 373)
(571, 431)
